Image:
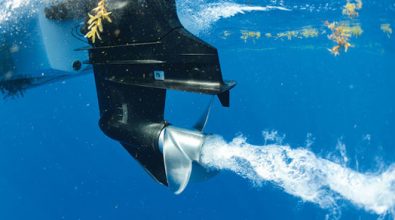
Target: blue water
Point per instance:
(55, 163)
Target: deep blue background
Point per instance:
(56, 164)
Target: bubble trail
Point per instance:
(301, 173)
(12, 9)
(199, 16)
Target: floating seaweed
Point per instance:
(386, 28)
(355, 30)
(287, 34)
(306, 32)
(341, 34)
(95, 21)
(309, 32)
(255, 35)
(351, 8)
(268, 35)
(225, 34)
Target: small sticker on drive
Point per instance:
(159, 75)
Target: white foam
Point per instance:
(197, 15)
(200, 16)
(9, 8)
(301, 173)
(14, 4)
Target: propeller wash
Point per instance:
(301, 173)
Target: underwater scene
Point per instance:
(197, 109)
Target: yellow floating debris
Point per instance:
(226, 34)
(355, 30)
(95, 21)
(341, 34)
(335, 51)
(309, 32)
(287, 34)
(386, 28)
(254, 35)
(351, 8)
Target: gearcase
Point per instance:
(143, 52)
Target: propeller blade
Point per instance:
(202, 122)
